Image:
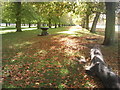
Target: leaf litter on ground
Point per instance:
(49, 62)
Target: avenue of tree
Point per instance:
(61, 14)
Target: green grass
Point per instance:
(33, 63)
(7, 28)
(13, 28)
(10, 28)
(15, 45)
(19, 37)
(16, 42)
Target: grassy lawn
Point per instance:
(49, 61)
(12, 28)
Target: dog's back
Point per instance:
(99, 68)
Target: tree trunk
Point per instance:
(87, 22)
(59, 23)
(118, 20)
(55, 25)
(18, 16)
(110, 23)
(9, 23)
(43, 24)
(6, 24)
(83, 23)
(38, 25)
(29, 25)
(93, 29)
(49, 23)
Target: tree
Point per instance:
(93, 29)
(53, 12)
(12, 13)
(8, 13)
(19, 12)
(85, 10)
(98, 9)
(28, 12)
(110, 23)
(39, 9)
(18, 16)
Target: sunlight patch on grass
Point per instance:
(67, 62)
(40, 53)
(19, 54)
(14, 30)
(6, 71)
(67, 32)
(64, 72)
(78, 31)
(72, 30)
(88, 84)
(17, 57)
(49, 63)
(10, 46)
(69, 52)
(23, 44)
(70, 44)
(61, 86)
(40, 66)
(85, 31)
(11, 86)
(78, 35)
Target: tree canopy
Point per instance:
(54, 13)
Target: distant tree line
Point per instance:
(61, 14)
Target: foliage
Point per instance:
(28, 12)
(53, 11)
(88, 8)
(10, 10)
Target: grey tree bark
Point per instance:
(93, 29)
(87, 22)
(49, 23)
(38, 25)
(18, 16)
(110, 24)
